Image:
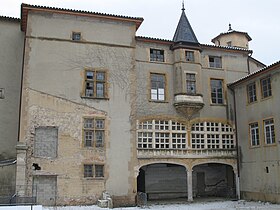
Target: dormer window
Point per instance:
(76, 36)
(190, 56)
(229, 44)
(156, 55)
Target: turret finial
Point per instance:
(183, 5)
(229, 27)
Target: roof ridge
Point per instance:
(80, 11)
(255, 72)
(9, 18)
(227, 47)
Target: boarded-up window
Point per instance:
(46, 142)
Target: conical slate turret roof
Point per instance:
(184, 31)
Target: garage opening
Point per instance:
(162, 181)
(213, 180)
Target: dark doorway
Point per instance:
(141, 181)
(200, 183)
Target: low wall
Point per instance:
(37, 207)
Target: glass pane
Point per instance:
(100, 76)
(99, 89)
(90, 75)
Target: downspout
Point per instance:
(237, 145)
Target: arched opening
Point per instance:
(162, 181)
(213, 180)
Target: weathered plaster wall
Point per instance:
(56, 67)
(11, 39)
(256, 182)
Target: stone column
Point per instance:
(190, 190)
(21, 169)
(237, 184)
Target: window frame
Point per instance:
(95, 81)
(271, 128)
(88, 173)
(74, 36)
(268, 91)
(156, 90)
(254, 133)
(189, 58)
(216, 94)
(190, 83)
(251, 94)
(92, 172)
(94, 129)
(214, 63)
(157, 55)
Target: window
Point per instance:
(94, 132)
(217, 91)
(156, 55)
(2, 96)
(190, 83)
(215, 62)
(190, 56)
(254, 133)
(95, 84)
(212, 135)
(158, 87)
(266, 87)
(88, 170)
(45, 144)
(161, 134)
(269, 133)
(76, 36)
(251, 92)
(229, 44)
(97, 173)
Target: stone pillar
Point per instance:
(190, 190)
(21, 169)
(237, 184)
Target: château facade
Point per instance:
(102, 109)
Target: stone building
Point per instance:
(11, 39)
(257, 111)
(105, 110)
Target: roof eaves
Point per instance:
(255, 73)
(26, 7)
(12, 19)
(151, 39)
(233, 31)
(226, 48)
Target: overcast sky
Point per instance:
(259, 18)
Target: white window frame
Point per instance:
(157, 89)
(269, 131)
(215, 62)
(254, 134)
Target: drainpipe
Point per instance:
(237, 146)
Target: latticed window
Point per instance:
(161, 134)
(254, 133)
(190, 56)
(95, 84)
(156, 55)
(88, 170)
(215, 62)
(158, 87)
(212, 135)
(99, 171)
(190, 83)
(217, 91)
(269, 133)
(93, 171)
(251, 92)
(94, 130)
(266, 87)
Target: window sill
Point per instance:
(266, 98)
(254, 147)
(158, 101)
(161, 62)
(251, 103)
(215, 68)
(94, 98)
(218, 104)
(94, 178)
(270, 145)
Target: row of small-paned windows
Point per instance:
(93, 171)
(266, 90)
(268, 129)
(158, 55)
(173, 135)
(158, 86)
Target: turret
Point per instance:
(232, 38)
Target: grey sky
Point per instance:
(208, 18)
